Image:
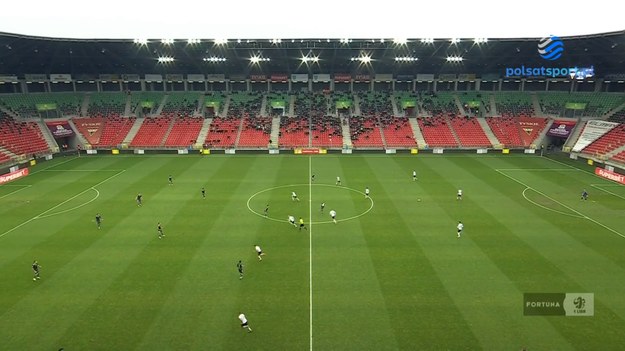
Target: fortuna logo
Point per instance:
(542, 304)
(550, 48)
(579, 302)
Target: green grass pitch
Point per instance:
(390, 275)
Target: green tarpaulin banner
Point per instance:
(575, 105)
(147, 104)
(343, 104)
(278, 104)
(407, 103)
(46, 107)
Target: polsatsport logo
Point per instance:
(550, 48)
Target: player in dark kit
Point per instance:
(98, 220)
(240, 268)
(139, 199)
(584, 195)
(266, 210)
(159, 227)
(323, 206)
(36, 268)
(203, 193)
(170, 179)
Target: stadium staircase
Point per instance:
(172, 122)
(128, 107)
(6, 155)
(459, 105)
(347, 140)
(618, 151)
(203, 132)
(85, 105)
(291, 109)
(414, 124)
(8, 112)
(133, 131)
(275, 127)
(540, 138)
(536, 103)
(575, 133)
(493, 105)
(224, 112)
(236, 141)
(489, 133)
(79, 136)
(394, 106)
(47, 136)
(357, 110)
(159, 110)
(263, 107)
(199, 109)
(614, 111)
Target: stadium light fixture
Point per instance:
(222, 41)
(455, 59)
(382, 40)
(167, 41)
(255, 59)
(309, 58)
(400, 41)
(214, 59)
(427, 41)
(344, 41)
(363, 58)
(480, 40)
(193, 41)
(406, 59)
(276, 41)
(141, 41)
(165, 59)
(454, 40)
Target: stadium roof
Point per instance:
(29, 55)
(279, 37)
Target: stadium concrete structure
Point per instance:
(312, 95)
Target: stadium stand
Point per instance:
(152, 132)
(365, 132)
(472, 101)
(437, 132)
(106, 104)
(181, 104)
(184, 131)
(608, 142)
(375, 103)
(514, 104)
(222, 132)
(507, 131)
(326, 132)
(397, 132)
(245, 102)
(440, 103)
(469, 132)
(59, 104)
(592, 104)
(618, 117)
(256, 132)
(294, 132)
(21, 138)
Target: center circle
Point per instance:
(347, 202)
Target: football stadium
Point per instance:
(378, 184)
